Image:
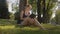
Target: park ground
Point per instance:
(10, 27)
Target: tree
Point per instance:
(47, 6)
(43, 8)
(22, 5)
(39, 10)
(4, 14)
(57, 18)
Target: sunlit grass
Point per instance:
(7, 27)
(30, 28)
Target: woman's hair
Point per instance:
(28, 6)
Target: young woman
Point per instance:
(29, 19)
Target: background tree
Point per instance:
(34, 5)
(4, 14)
(43, 8)
(47, 6)
(57, 17)
(39, 10)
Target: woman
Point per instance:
(29, 19)
(26, 12)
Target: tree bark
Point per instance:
(44, 12)
(22, 4)
(39, 10)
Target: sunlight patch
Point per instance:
(7, 27)
(30, 28)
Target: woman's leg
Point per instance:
(32, 22)
(28, 21)
(36, 23)
(25, 21)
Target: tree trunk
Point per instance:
(44, 12)
(22, 5)
(39, 10)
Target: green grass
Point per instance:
(10, 28)
(28, 30)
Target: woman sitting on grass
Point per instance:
(29, 19)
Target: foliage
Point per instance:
(58, 17)
(12, 17)
(34, 5)
(4, 14)
(47, 12)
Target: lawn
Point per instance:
(11, 28)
